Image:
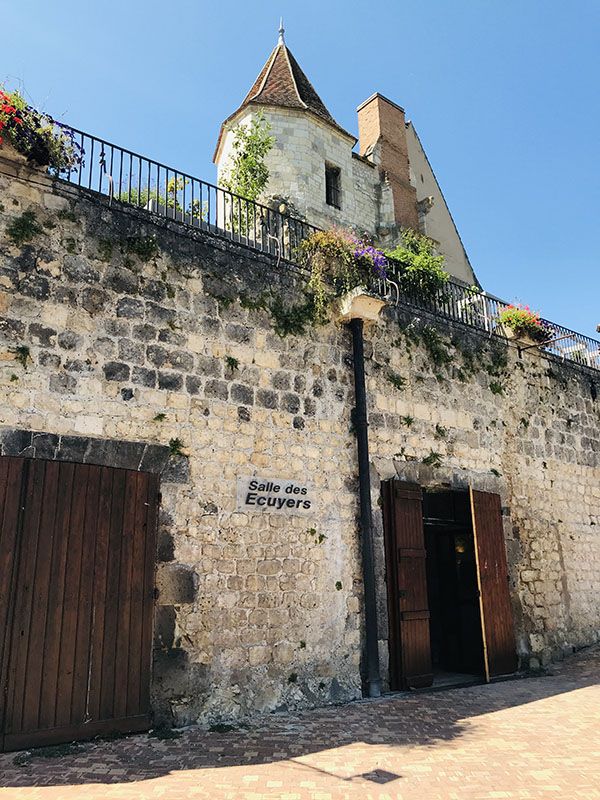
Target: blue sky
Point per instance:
(503, 93)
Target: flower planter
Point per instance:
(359, 303)
(522, 338)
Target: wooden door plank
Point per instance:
(13, 482)
(70, 609)
(51, 646)
(24, 589)
(42, 580)
(500, 656)
(82, 672)
(101, 560)
(111, 605)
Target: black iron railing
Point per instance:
(481, 310)
(127, 177)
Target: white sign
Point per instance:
(274, 495)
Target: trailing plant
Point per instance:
(524, 322)
(37, 136)
(232, 363)
(339, 261)
(23, 228)
(248, 175)
(416, 267)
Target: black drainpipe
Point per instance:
(366, 523)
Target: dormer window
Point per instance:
(333, 191)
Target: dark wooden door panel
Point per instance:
(77, 546)
(496, 611)
(408, 613)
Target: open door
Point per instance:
(499, 651)
(410, 648)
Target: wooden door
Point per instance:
(500, 657)
(410, 647)
(77, 609)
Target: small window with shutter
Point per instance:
(333, 193)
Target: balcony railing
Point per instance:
(127, 177)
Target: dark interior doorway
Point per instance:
(452, 588)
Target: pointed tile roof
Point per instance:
(282, 83)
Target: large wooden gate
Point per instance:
(77, 551)
(408, 613)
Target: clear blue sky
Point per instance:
(504, 95)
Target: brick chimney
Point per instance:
(382, 137)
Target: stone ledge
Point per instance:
(138, 456)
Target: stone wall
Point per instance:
(119, 327)
(303, 146)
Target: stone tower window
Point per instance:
(333, 191)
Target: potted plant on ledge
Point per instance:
(343, 267)
(520, 322)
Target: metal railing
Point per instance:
(481, 310)
(127, 177)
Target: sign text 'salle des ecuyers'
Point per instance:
(274, 495)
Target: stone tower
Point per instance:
(386, 186)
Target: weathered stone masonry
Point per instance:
(118, 328)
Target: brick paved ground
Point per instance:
(521, 740)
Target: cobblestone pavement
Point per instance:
(527, 739)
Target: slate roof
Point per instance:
(282, 83)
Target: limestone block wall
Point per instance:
(303, 145)
(121, 328)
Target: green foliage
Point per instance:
(173, 197)
(105, 249)
(23, 228)
(232, 363)
(67, 215)
(176, 447)
(407, 420)
(144, 247)
(293, 319)
(440, 432)
(14, 377)
(433, 459)
(22, 355)
(415, 266)
(396, 380)
(293, 678)
(496, 387)
(221, 727)
(338, 262)
(161, 417)
(302, 645)
(436, 346)
(338, 585)
(248, 175)
(495, 472)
